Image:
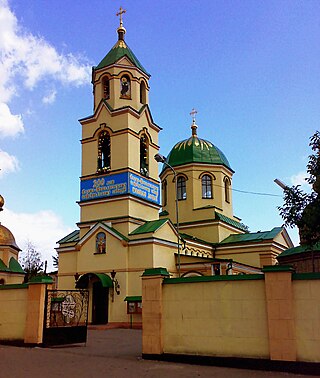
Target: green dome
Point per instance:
(196, 150)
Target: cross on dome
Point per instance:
(194, 126)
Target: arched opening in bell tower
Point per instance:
(144, 147)
(104, 152)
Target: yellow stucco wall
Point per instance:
(221, 318)
(306, 295)
(13, 305)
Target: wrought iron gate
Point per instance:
(66, 317)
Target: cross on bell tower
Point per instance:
(120, 13)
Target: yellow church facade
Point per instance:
(128, 217)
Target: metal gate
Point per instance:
(66, 317)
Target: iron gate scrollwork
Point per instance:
(66, 317)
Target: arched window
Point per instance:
(206, 182)
(101, 243)
(125, 87)
(2, 281)
(106, 88)
(104, 152)
(143, 96)
(144, 167)
(164, 193)
(181, 188)
(227, 184)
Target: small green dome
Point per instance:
(196, 150)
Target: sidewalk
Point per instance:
(108, 353)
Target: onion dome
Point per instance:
(7, 239)
(196, 150)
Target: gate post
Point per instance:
(152, 335)
(280, 309)
(36, 309)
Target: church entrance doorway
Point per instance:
(100, 299)
(99, 285)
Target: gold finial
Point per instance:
(194, 126)
(1, 202)
(120, 13)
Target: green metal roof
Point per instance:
(231, 222)
(150, 226)
(3, 267)
(119, 50)
(252, 236)
(14, 266)
(83, 281)
(196, 150)
(193, 238)
(300, 249)
(70, 238)
(133, 298)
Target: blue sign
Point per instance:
(117, 184)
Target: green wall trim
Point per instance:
(41, 279)
(238, 277)
(277, 268)
(306, 276)
(155, 272)
(14, 286)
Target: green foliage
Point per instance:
(295, 201)
(301, 209)
(31, 262)
(55, 261)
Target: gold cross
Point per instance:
(120, 13)
(193, 114)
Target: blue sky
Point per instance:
(250, 68)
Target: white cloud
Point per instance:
(25, 61)
(43, 229)
(8, 163)
(50, 97)
(10, 125)
(33, 59)
(300, 179)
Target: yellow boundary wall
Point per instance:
(22, 312)
(272, 316)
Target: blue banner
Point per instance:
(117, 184)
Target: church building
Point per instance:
(11, 271)
(130, 220)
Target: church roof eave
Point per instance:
(103, 102)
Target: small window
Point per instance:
(227, 184)
(2, 281)
(125, 87)
(144, 168)
(104, 152)
(206, 182)
(101, 243)
(181, 188)
(143, 96)
(106, 88)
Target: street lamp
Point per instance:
(162, 159)
(281, 184)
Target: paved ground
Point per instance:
(108, 353)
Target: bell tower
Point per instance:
(119, 177)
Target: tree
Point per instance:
(301, 209)
(55, 261)
(31, 262)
